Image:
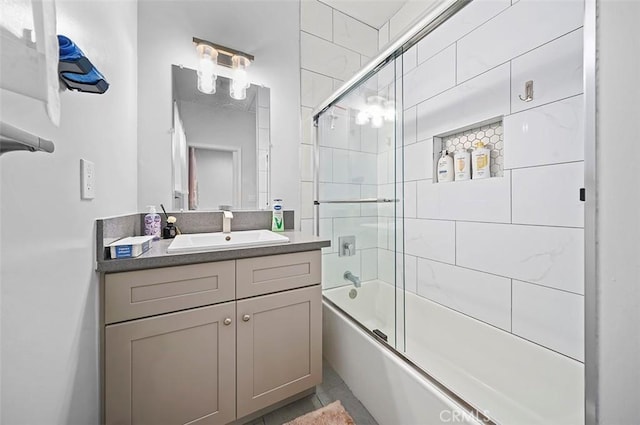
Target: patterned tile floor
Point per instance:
(331, 389)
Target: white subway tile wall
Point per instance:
(523, 229)
(487, 200)
(558, 204)
(354, 35)
(524, 26)
(555, 69)
(431, 77)
(551, 318)
(462, 23)
(549, 256)
(316, 18)
(480, 99)
(483, 296)
(508, 250)
(549, 134)
(314, 51)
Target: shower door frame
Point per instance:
(442, 12)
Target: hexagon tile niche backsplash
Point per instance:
(491, 135)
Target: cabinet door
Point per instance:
(173, 369)
(279, 347)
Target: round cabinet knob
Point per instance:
(227, 321)
(246, 317)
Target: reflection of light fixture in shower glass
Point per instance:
(377, 111)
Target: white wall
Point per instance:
(268, 30)
(49, 286)
(618, 204)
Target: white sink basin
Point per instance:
(215, 241)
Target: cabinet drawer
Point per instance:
(263, 275)
(143, 293)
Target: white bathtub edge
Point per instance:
(367, 368)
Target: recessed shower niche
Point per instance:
(490, 133)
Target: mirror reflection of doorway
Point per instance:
(214, 177)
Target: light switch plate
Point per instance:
(87, 179)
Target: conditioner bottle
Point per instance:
(480, 159)
(462, 164)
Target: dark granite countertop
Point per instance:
(157, 256)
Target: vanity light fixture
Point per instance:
(212, 55)
(377, 111)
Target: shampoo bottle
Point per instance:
(152, 223)
(445, 168)
(277, 217)
(480, 159)
(462, 164)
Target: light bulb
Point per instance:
(206, 85)
(206, 68)
(240, 83)
(241, 79)
(238, 91)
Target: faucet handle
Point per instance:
(227, 214)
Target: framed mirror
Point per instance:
(220, 146)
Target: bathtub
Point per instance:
(508, 379)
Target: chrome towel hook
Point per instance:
(528, 92)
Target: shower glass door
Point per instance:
(359, 203)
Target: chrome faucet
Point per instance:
(352, 278)
(226, 221)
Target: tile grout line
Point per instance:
(497, 223)
(455, 242)
(511, 330)
(510, 90)
(332, 42)
(492, 325)
(492, 274)
(511, 196)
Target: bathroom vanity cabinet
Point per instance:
(213, 342)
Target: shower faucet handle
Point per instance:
(346, 246)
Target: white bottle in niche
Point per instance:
(480, 162)
(445, 168)
(462, 164)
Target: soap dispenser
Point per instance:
(445, 167)
(152, 223)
